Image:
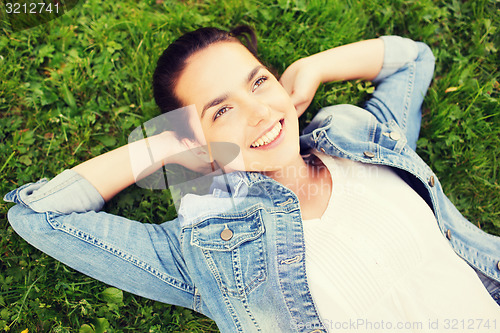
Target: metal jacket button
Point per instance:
(432, 182)
(498, 265)
(226, 234)
(369, 154)
(322, 149)
(448, 234)
(395, 136)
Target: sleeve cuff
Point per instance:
(66, 193)
(398, 51)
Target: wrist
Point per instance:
(161, 147)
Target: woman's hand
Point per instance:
(301, 80)
(188, 153)
(361, 60)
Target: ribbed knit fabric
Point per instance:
(377, 254)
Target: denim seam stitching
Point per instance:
(202, 218)
(241, 287)
(196, 300)
(409, 90)
(89, 239)
(224, 291)
(70, 180)
(458, 247)
(250, 314)
(287, 294)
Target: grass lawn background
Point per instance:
(75, 87)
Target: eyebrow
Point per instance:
(223, 97)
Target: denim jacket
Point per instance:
(255, 280)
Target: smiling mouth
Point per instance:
(269, 137)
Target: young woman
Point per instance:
(355, 234)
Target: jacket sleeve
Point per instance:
(401, 85)
(68, 192)
(59, 218)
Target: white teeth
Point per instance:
(268, 137)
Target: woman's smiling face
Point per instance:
(239, 101)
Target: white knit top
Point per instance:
(377, 257)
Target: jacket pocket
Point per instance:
(232, 245)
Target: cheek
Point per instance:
(279, 99)
(231, 132)
(278, 92)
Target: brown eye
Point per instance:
(220, 112)
(259, 82)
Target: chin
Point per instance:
(274, 164)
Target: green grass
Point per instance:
(75, 87)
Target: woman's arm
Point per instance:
(361, 60)
(87, 186)
(113, 171)
(401, 85)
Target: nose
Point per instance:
(257, 112)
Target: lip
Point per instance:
(276, 141)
